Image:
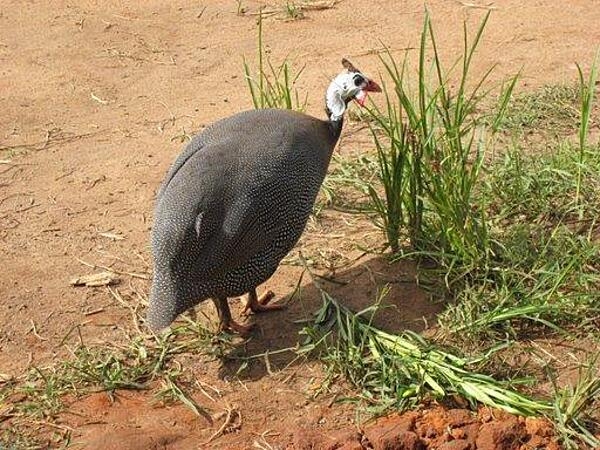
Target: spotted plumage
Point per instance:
(236, 201)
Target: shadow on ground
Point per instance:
(405, 306)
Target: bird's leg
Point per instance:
(226, 323)
(261, 304)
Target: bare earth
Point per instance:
(96, 98)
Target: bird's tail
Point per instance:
(163, 306)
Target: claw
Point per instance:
(261, 304)
(226, 323)
(265, 298)
(236, 328)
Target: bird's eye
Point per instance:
(359, 80)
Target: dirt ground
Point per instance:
(96, 98)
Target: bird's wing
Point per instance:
(240, 235)
(213, 208)
(233, 186)
(195, 145)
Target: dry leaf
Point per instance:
(96, 279)
(113, 236)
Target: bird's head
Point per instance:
(351, 84)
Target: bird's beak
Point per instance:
(361, 97)
(372, 87)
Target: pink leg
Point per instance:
(226, 323)
(261, 304)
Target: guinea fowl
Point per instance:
(236, 201)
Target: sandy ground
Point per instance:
(96, 98)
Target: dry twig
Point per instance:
(119, 272)
(229, 424)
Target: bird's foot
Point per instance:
(236, 328)
(261, 304)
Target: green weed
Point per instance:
(270, 86)
(293, 11)
(587, 89)
(508, 238)
(431, 148)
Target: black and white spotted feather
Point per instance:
(236, 201)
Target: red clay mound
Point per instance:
(439, 429)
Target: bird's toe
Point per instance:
(265, 298)
(236, 328)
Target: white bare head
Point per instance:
(351, 84)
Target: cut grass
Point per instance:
(401, 370)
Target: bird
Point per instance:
(236, 200)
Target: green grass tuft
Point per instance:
(270, 86)
(431, 146)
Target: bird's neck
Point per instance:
(335, 107)
(335, 127)
(334, 103)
